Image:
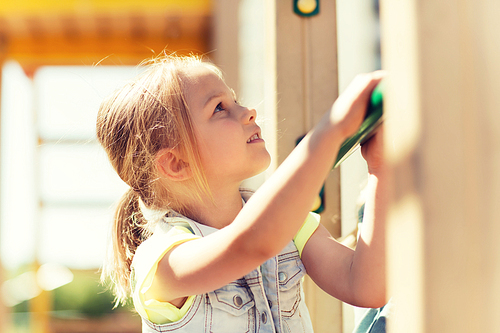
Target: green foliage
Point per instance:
(84, 295)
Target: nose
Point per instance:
(249, 115)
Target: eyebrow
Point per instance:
(213, 97)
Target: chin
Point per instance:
(265, 163)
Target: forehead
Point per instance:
(198, 72)
(200, 83)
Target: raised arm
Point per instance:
(356, 277)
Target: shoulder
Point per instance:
(166, 236)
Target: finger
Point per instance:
(359, 91)
(374, 142)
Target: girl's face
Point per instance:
(229, 141)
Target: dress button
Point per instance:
(282, 276)
(270, 303)
(237, 301)
(264, 317)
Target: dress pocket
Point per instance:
(231, 308)
(290, 273)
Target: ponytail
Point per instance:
(128, 231)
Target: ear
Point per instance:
(171, 165)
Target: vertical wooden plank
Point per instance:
(306, 83)
(485, 14)
(306, 86)
(444, 150)
(404, 235)
(322, 92)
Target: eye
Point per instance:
(219, 108)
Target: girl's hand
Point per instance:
(372, 151)
(349, 109)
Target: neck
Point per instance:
(221, 211)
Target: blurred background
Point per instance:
(58, 60)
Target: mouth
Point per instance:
(254, 137)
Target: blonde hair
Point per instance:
(133, 125)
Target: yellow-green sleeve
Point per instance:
(144, 266)
(308, 228)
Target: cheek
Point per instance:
(217, 148)
(225, 136)
(221, 142)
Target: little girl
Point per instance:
(196, 252)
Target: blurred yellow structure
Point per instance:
(86, 32)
